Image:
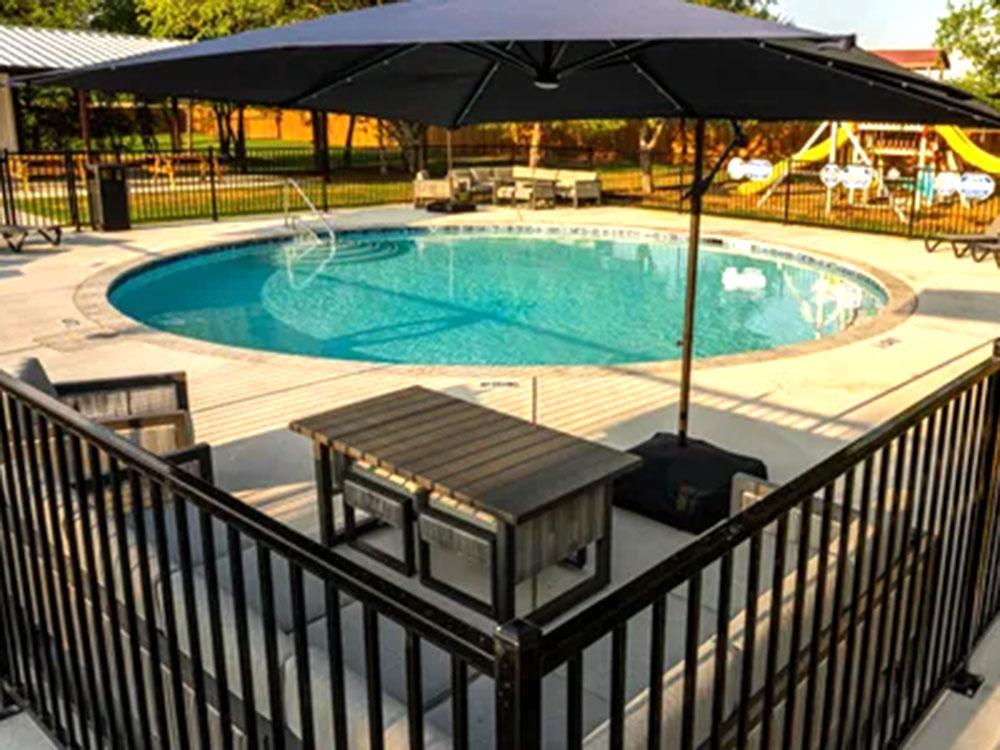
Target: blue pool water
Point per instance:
(499, 296)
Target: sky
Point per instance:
(879, 24)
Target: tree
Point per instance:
(63, 14)
(208, 19)
(973, 30)
(650, 131)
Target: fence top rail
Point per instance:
(430, 622)
(602, 615)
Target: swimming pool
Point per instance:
(495, 295)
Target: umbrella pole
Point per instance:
(694, 236)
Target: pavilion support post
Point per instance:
(81, 100)
(694, 237)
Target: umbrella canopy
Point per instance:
(462, 62)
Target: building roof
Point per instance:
(29, 49)
(916, 59)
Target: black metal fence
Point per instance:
(141, 607)
(54, 188)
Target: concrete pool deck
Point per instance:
(791, 411)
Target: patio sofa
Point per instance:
(537, 185)
(165, 574)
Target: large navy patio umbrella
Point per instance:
(462, 62)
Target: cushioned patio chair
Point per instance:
(980, 246)
(151, 411)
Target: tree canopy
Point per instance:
(65, 14)
(972, 29)
(207, 19)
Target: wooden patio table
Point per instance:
(518, 488)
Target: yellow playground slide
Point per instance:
(960, 142)
(815, 153)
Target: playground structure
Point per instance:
(875, 156)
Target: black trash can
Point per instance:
(108, 197)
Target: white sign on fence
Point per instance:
(853, 176)
(754, 169)
(973, 186)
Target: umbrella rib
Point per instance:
(496, 54)
(478, 91)
(614, 54)
(676, 101)
(347, 76)
(902, 87)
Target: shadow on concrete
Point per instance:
(962, 304)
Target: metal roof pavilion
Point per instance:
(27, 49)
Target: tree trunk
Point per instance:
(535, 149)
(649, 137)
(383, 165)
(223, 127)
(241, 137)
(174, 117)
(349, 142)
(321, 142)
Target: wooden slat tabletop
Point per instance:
(499, 463)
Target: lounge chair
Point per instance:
(16, 235)
(978, 245)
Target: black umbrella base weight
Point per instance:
(686, 486)
(451, 207)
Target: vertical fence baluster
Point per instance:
(619, 646)
(801, 575)
(866, 672)
(244, 657)
(18, 567)
(106, 566)
(818, 608)
(460, 702)
(161, 546)
(84, 476)
(128, 599)
(299, 624)
(335, 657)
(691, 643)
(839, 585)
(774, 628)
(939, 661)
(902, 619)
(142, 552)
(749, 642)
(657, 651)
(373, 672)
(721, 649)
(215, 628)
(414, 691)
(62, 712)
(271, 657)
(192, 617)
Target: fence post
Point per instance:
(789, 172)
(211, 183)
(71, 194)
(914, 203)
(984, 514)
(326, 181)
(7, 188)
(518, 677)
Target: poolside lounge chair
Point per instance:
(16, 235)
(978, 245)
